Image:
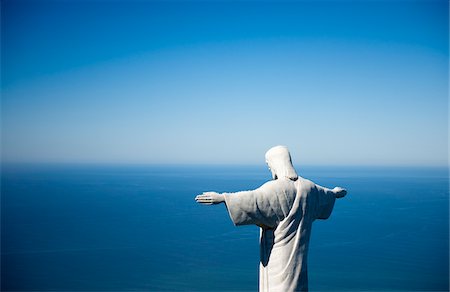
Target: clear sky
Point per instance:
(349, 83)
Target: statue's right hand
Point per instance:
(209, 198)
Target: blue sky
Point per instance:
(338, 82)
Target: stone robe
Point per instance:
(285, 210)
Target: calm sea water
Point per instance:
(138, 228)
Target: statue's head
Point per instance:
(280, 164)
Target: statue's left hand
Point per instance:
(339, 192)
(209, 198)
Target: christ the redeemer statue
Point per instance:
(284, 208)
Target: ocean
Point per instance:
(137, 227)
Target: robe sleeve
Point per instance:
(253, 207)
(325, 199)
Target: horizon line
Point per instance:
(203, 164)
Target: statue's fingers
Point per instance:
(341, 193)
(204, 200)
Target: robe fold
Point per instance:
(285, 210)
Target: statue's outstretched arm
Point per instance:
(210, 198)
(338, 192)
(253, 207)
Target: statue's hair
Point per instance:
(279, 160)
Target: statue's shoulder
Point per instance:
(304, 184)
(280, 183)
(272, 183)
